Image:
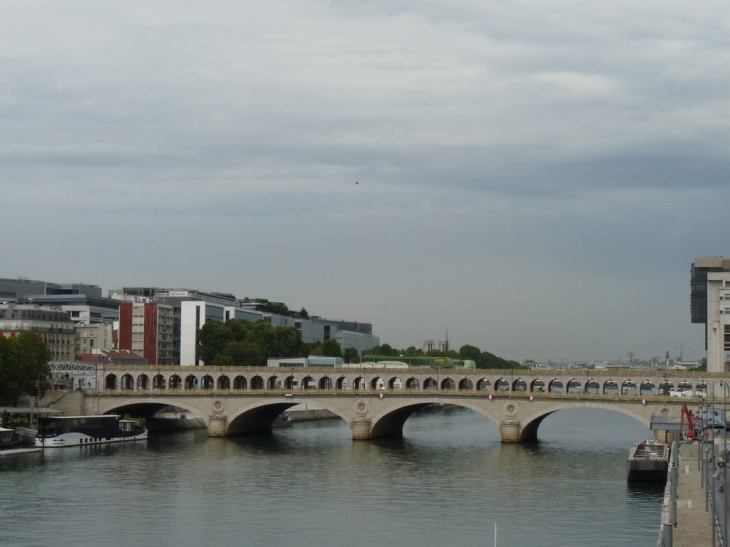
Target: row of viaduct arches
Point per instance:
(291, 381)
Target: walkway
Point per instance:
(694, 523)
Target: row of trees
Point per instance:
(483, 359)
(23, 366)
(243, 343)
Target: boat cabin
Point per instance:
(6, 437)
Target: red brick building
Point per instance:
(146, 328)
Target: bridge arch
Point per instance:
(224, 382)
(257, 382)
(110, 381)
(143, 381)
(127, 382)
(240, 382)
(531, 423)
(412, 383)
(610, 386)
(158, 382)
(390, 422)
(259, 416)
(149, 406)
(191, 382)
(555, 386)
(377, 383)
(647, 387)
(466, 384)
(484, 385)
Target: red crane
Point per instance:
(690, 435)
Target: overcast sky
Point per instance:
(535, 177)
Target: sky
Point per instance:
(534, 178)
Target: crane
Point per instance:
(691, 427)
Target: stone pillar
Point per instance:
(217, 425)
(360, 429)
(510, 431)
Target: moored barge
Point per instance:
(648, 461)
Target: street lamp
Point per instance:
(724, 461)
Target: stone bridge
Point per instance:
(377, 402)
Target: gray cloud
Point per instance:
(534, 177)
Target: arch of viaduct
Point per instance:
(377, 402)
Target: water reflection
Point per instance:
(445, 483)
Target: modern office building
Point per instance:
(710, 304)
(362, 342)
(186, 319)
(83, 302)
(22, 287)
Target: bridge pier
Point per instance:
(361, 429)
(510, 431)
(217, 425)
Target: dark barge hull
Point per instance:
(648, 461)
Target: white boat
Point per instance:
(60, 431)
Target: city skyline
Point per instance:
(534, 178)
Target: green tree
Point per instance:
(223, 361)
(239, 328)
(331, 348)
(384, 349)
(213, 338)
(469, 352)
(23, 366)
(262, 335)
(245, 354)
(350, 355)
(288, 342)
(9, 371)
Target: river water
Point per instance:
(446, 483)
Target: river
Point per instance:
(446, 483)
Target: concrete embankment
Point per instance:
(694, 516)
(16, 451)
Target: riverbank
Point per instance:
(16, 451)
(694, 522)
